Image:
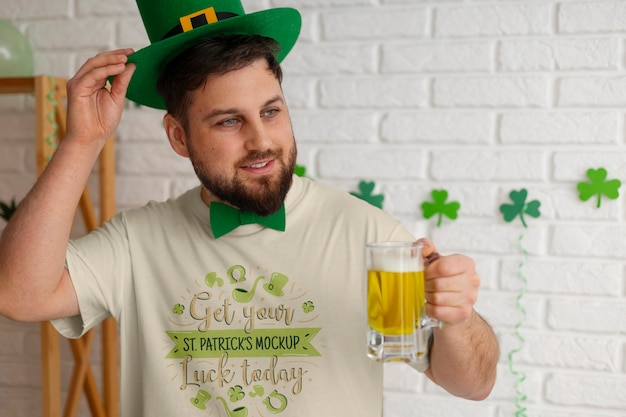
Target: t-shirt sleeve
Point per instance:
(98, 264)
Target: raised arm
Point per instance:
(465, 352)
(34, 284)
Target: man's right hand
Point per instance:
(94, 109)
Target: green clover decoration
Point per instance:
(366, 194)
(598, 186)
(299, 170)
(440, 206)
(520, 207)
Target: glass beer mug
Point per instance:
(398, 328)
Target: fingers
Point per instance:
(121, 81)
(451, 291)
(94, 73)
(451, 286)
(105, 59)
(429, 247)
(449, 266)
(429, 252)
(93, 110)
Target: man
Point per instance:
(260, 319)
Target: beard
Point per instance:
(262, 196)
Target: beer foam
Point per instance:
(392, 261)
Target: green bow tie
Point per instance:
(225, 219)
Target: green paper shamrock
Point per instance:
(366, 189)
(7, 210)
(520, 207)
(440, 207)
(598, 186)
(299, 170)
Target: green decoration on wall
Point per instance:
(440, 207)
(510, 212)
(299, 170)
(366, 190)
(520, 375)
(7, 209)
(598, 186)
(520, 207)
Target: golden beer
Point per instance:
(397, 328)
(395, 301)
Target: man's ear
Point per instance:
(176, 135)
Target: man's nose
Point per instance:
(257, 137)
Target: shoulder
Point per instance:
(319, 199)
(188, 207)
(321, 210)
(189, 200)
(318, 194)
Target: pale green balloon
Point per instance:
(16, 56)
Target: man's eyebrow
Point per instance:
(273, 100)
(220, 112)
(234, 110)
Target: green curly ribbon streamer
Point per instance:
(520, 375)
(51, 138)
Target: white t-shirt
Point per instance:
(258, 322)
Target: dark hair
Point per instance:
(189, 70)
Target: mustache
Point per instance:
(254, 156)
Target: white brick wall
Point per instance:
(479, 97)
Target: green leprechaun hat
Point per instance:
(173, 25)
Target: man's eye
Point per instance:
(228, 122)
(270, 112)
